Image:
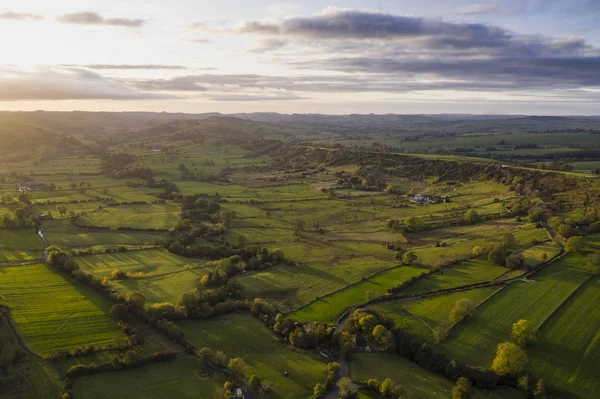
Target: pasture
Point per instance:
(69, 236)
(567, 350)
(420, 316)
(474, 341)
(148, 216)
(182, 377)
(19, 245)
(265, 358)
(330, 308)
(53, 313)
(418, 382)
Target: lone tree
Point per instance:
(497, 256)
(347, 387)
(414, 223)
(575, 244)
(409, 258)
(471, 216)
(462, 309)
(522, 333)
(119, 312)
(319, 390)
(594, 263)
(383, 337)
(509, 360)
(462, 389)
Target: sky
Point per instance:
(537, 57)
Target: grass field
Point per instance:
(464, 273)
(178, 378)
(151, 262)
(245, 337)
(292, 286)
(155, 216)
(37, 378)
(430, 311)
(19, 245)
(567, 351)
(474, 341)
(53, 313)
(418, 382)
(330, 308)
(66, 235)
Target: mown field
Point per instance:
(19, 245)
(53, 313)
(245, 337)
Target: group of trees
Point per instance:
(387, 388)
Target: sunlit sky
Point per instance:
(439, 56)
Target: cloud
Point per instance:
(480, 9)
(266, 45)
(93, 18)
(134, 66)
(15, 16)
(341, 26)
(201, 41)
(65, 84)
(255, 97)
(198, 25)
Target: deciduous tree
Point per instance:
(510, 359)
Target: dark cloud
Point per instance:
(65, 84)
(508, 73)
(129, 66)
(93, 18)
(408, 33)
(16, 16)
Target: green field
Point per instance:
(331, 307)
(567, 351)
(245, 337)
(53, 313)
(66, 235)
(19, 245)
(151, 262)
(178, 378)
(474, 341)
(150, 216)
(420, 316)
(418, 382)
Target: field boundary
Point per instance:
(13, 326)
(417, 317)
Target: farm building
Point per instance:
(32, 186)
(423, 199)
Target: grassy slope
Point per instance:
(244, 336)
(53, 313)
